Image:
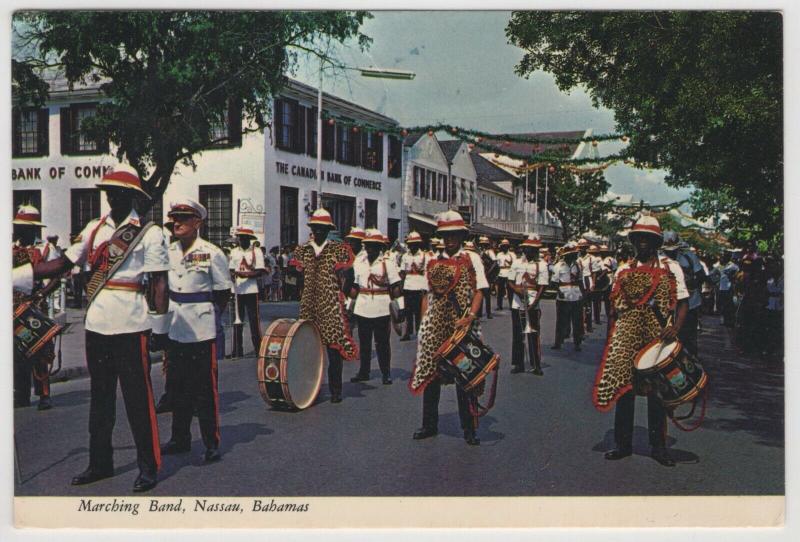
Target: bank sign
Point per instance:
(285, 168)
(57, 172)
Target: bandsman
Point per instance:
(246, 265)
(120, 249)
(568, 275)
(589, 266)
(377, 282)
(528, 278)
(489, 258)
(415, 283)
(199, 284)
(505, 258)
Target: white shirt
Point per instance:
(362, 255)
(22, 278)
(536, 272)
(319, 248)
(374, 304)
(121, 311)
(203, 268)
(505, 260)
(415, 268)
(564, 273)
(246, 260)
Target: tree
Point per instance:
(172, 78)
(698, 93)
(574, 199)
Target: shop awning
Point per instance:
(422, 218)
(482, 229)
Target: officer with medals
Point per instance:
(377, 281)
(26, 250)
(120, 250)
(415, 282)
(246, 265)
(199, 284)
(528, 278)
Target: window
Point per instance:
(73, 140)
(395, 156)
(443, 187)
(85, 206)
(372, 144)
(289, 125)
(155, 213)
(370, 213)
(226, 131)
(27, 197)
(418, 176)
(218, 201)
(344, 144)
(289, 210)
(30, 132)
(432, 193)
(328, 140)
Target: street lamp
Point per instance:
(381, 73)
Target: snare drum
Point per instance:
(32, 330)
(673, 375)
(290, 360)
(466, 359)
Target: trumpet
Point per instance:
(525, 319)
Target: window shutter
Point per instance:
(328, 141)
(299, 119)
(277, 121)
(44, 131)
(235, 122)
(355, 157)
(379, 152)
(15, 135)
(311, 127)
(66, 130)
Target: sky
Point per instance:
(465, 76)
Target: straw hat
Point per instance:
(483, 240)
(413, 237)
(532, 241)
(451, 221)
(356, 233)
(28, 215)
(241, 230)
(374, 235)
(321, 217)
(122, 176)
(647, 224)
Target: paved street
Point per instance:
(543, 437)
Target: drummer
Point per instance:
(377, 281)
(27, 249)
(199, 284)
(461, 274)
(328, 269)
(647, 296)
(415, 283)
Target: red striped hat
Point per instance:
(583, 243)
(374, 236)
(356, 233)
(321, 217)
(413, 237)
(483, 240)
(451, 221)
(504, 242)
(241, 230)
(532, 241)
(122, 176)
(28, 215)
(647, 224)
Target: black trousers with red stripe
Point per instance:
(36, 371)
(623, 421)
(377, 328)
(193, 367)
(522, 340)
(124, 358)
(248, 303)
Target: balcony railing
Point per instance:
(545, 231)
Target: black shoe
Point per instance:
(91, 475)
(537, 372)
(425, 432)
(44, 404)
(387, 380)
(663, 457)
(144, 482)
(336, 398)
(211, 455)
(490, 317)
(515, 370)
(555, 347)
(173, 447)
(405, 338)
(470, 438)
(618, 453)
(164, 404)
(359, 378)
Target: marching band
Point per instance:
(147, 293)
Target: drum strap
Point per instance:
(677, 419)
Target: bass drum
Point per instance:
(290, 362)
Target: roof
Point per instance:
(411, 139)
(504, 147)
(487, 171)
(450, 148)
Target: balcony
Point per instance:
(547, 232)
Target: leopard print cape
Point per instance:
(447, 279)
(636, 291)
(322, 300)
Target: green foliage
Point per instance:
(170, 76)
(574, 199)
(699, 93)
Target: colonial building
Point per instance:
(264, 180)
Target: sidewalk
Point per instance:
(73, 360)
